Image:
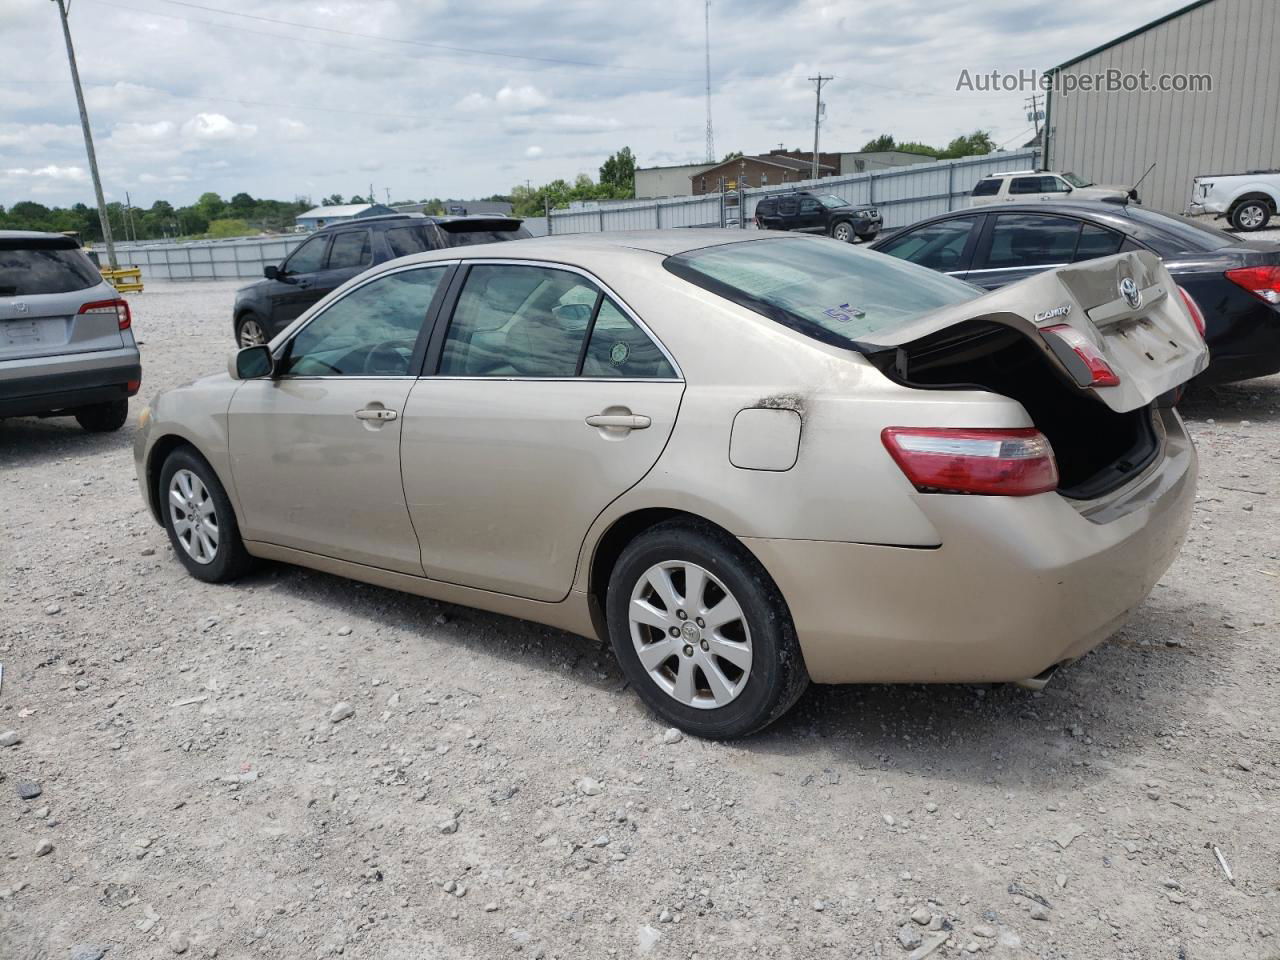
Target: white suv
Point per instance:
(1248, 200)
(1019, 186)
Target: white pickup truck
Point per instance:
(1248, 200)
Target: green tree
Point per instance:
(231, 227)
(732, 156)
(618, 173)
(881, 143)
(333, 200)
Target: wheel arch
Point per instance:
(609, 546)
(1254, 194)
(157, 455)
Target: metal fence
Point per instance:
(207, 260)
(903, 195)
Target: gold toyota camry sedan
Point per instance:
(749, 460)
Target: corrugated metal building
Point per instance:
(1112, 137)
(667, 181)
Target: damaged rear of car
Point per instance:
(1034, 431)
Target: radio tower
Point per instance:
(711, 139)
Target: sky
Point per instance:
(437, 98)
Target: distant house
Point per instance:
(865, 161)
(318, 217)
(671, 181)
(763, 170)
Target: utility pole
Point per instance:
(1033, 113)
(88, 140)
(817, 119)
(130, 226)
(711, 140)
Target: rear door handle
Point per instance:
(619, 421)
(376, 413)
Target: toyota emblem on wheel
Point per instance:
(1129, 290)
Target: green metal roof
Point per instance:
(1131, 34)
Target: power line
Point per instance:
(472, 51)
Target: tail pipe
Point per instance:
(1041, 679)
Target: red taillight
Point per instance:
(1100, 372)
(1262, 282)
(1016, 462)
(1193, 308)
(133, 386)
(118, 307)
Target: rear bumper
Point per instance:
(44, 385)
(1017, 585)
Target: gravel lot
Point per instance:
(498, 793)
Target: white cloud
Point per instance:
(50, 172)
(533, 152)
(524, 97)
(473, 102)
(215, 126)
(118, 95)
(127, 133)
(292, 129)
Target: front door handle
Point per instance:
(376, 413)
(619, 421)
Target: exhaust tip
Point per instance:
(1041, 679)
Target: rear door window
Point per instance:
(28, 268)
(1031, 240)
(619, 348)
(938, 246)
(350, 249)
(809, 205)
(1096, 241)
(788, 208)
(1024, 185)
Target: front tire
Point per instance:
(843, 232)
(250, 332)
(199, 520)
(702, 632)
(103, 417)
(1251, 215)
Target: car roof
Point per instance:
(582, 248)
(37, 235)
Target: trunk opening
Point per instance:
(1097, 449)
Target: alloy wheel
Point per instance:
(251, 333)
(690, 634)
(195, 522)
(843, 232)
(1251, 216)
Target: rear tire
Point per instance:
(103, 417)
(1251, 215)
(733, 665)
(842, 231)
(199, 520)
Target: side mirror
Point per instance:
(251, 363)
(272, 272)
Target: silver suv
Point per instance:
(66, 347)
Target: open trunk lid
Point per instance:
(1126, 308)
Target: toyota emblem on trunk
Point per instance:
(20, 307)
(1129, 290)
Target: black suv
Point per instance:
(818, 213)
(333, 255)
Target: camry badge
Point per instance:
(1129, 290)
(1061, 311)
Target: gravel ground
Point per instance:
(496, 792)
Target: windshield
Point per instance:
(830, 291)
(1075, 181)
(831, 202)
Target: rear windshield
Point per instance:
(29, 267)
(1187, 234)
(463, 233)
(830, 291)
